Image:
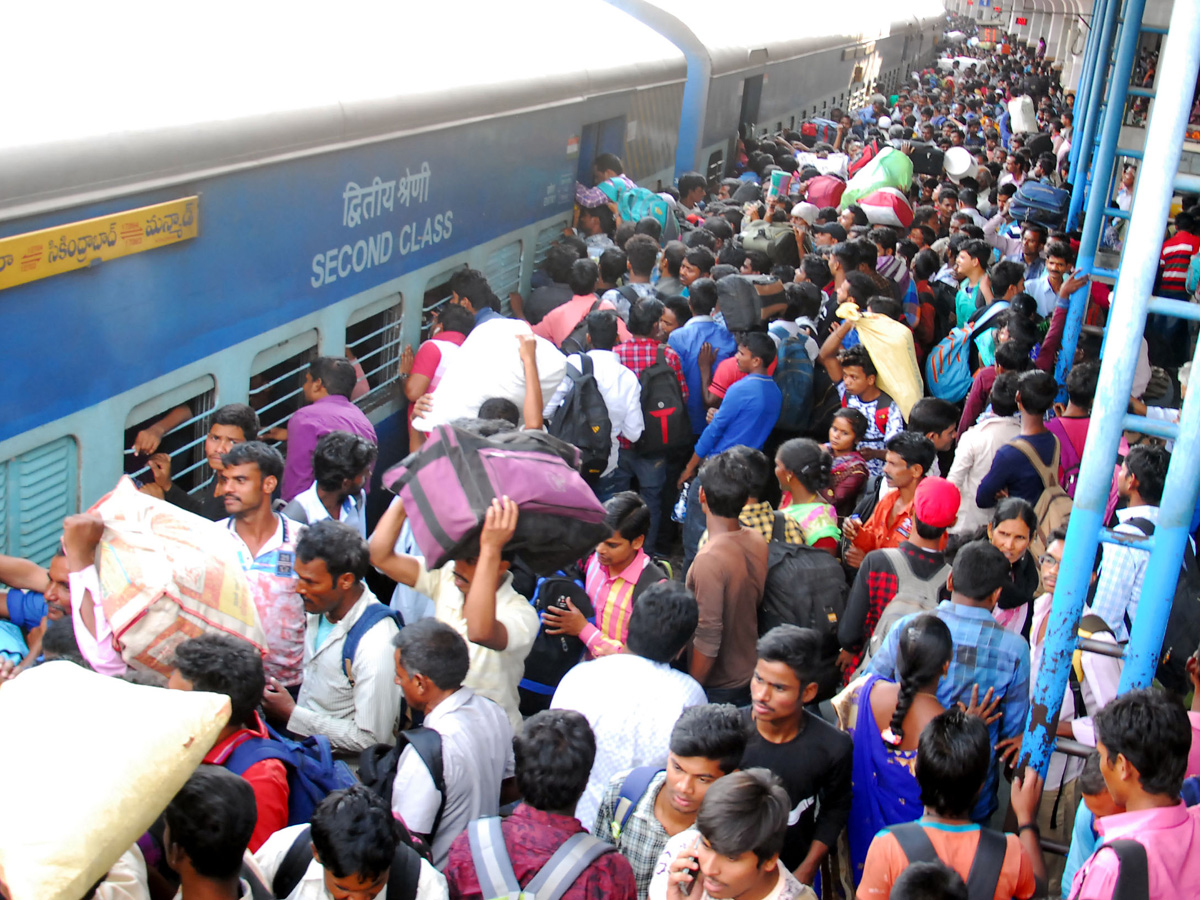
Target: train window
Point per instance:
(38, 490)
(503, 272)
(277, 381)
(174, 423)
(437, 295)
(546, 238)
(373, 341)
(716, 165)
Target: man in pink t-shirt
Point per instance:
(558, 324)
(422, 372)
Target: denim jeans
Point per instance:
(694, 524)
(650, 472)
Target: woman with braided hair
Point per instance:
(890, 718)
(805, 472)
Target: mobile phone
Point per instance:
(689, 886)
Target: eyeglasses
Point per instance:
(1049, 561)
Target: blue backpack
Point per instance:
(633, 788)
(794, 375)
(371, 616)
(312, 771)
(948, 369)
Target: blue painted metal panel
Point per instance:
(274, 245)
(42, 488)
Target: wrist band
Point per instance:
(1032, 826)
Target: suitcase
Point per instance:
(1038, 202)
(448, 485)
(927, 159)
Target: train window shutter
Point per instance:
(545, 238)
(38, 490)
(503, 271)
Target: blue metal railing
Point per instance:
(1131, 302)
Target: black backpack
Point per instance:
(806, 587)
(1183, 624)
(553, 655)
(576, 341)
(583, 420)
(985, 867)
(663, 408)
(377, 769)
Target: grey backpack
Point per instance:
(913, 595)
(494, 868)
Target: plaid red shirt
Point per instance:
(639, 353)
(531, 836)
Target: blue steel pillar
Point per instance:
(1084, 88)
(1096, 94)
(1102, 166)
(1131, 301)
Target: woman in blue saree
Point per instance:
(890, 718)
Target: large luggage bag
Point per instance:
(825, 190)
(1022, 115)
(927, 159)
(1038, 202)
(448, 485)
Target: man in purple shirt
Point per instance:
(327, 387)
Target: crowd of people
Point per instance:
(836, 480)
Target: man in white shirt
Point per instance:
(355, 708)
(476, 598)
(342, 463)
(477, 751)
(620, 388)
(352, 849)
(633, 699)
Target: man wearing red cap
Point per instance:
(915, 568)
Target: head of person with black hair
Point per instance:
(813, 268)
(923, 656)
(952, 763)
(697, 263)
(884, 239)
(649, 226)
(597, 220)
(853, 215)
(757, 469)
(723, 486)
(1012, 357)
(557, 264)
(500, 409)
(1012, 528)
(342, 463)
(677, 311)
(859, 373)
(937, 420)
(208, 825)
(843, 259)
(741, 826)
(662, 623)
(1023, 305)
(858, 288)
(888, 307)
(909, 458)
(693, 190)
(1033, 239)
(1036, 391)
(249, 474)
(644, 316)
(354, 838)
(706, 744)
(849, 426)
(470, 288)
(628, 516)
(1094, 789)
(672, 259)
(947, 203)
(329, 376)
(601, 329)
(583, 277)
(613, 266)
(787, 676)
(641, 252)
(1143, 475)
(929, 881)
(1081, 389)
(803, 300)
(756, 263)
(755, 353)
(431, 663)
(233, 423)
(971, 262)
(922, 235)
(1015, 327)
(702, 296)
(219, 663)
(827, 215)
(623, 233)
(925, 264)
(453, 318)
(804, 469)
(554, 756)
(1144, 738)
(1007, 278)
(606, 166)
(332, 560)
(699, 237)
(978, 573)
(906, 250)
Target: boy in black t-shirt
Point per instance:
(811, 757)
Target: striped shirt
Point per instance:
(1177, 253)
(612, 599)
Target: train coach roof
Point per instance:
(151, 93)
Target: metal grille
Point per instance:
(184, 443)
(545, 240)
(436, 296)
(38, 490)
(277, 388)
(503, 269)
(375, 343)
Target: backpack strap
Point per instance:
(1133, 878)
(258, 890)
(629, 293)
(295, 863)
(914, 842)
(986, 866)
(651, 575)
(427, 744)
(779, 527)
(1048, 474)
(253, 751)
(405, 875)
(566, 865)
(493, 867)
(371, 616)
(633, 788)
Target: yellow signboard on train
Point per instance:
(77, 245)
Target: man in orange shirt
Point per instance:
(910, 456)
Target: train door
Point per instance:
(751, 99)
(607, 136)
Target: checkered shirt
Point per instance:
(643, 838)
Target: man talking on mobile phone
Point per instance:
(733, 850)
